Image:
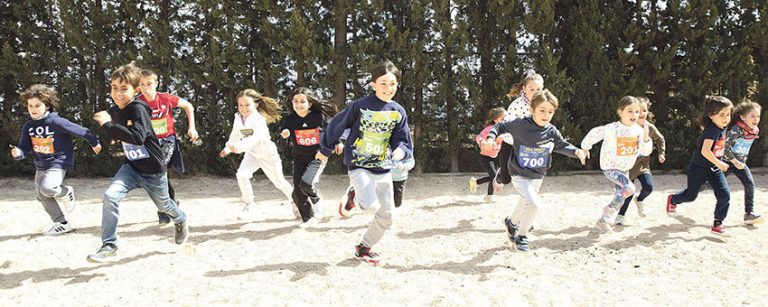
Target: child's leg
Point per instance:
(382, 221)
(646, 182)
(299, 198)
(248, 166)
(48, 187)
(123, 182)
(399, 189)
(722, 193)
(529, 193)
(308, 182)
(623, 187)
(156, 186)
(273, 168)
(504, 153)
(696, 177)
(625, 206)
(490, 168)
(745, 176)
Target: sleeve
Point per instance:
(733, 134)
(25, 143)
(135, 133)
(78, 130)
(336, 127)
(562, 146)
(644, 148)
(401, 136)
(594, 136)
(499, 129)
(659, 141)
(479, 138)
(234, 135)
(173, 100)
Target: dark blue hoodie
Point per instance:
(49, 139)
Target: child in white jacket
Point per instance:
(250, 136)
(621, 145)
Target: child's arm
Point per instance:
(335, 129)
(190, 110)
(565, 148)
(706, 151)
(136, 131)
(733, 134)
(400, 142)
(229, 146)
(645, 146)
(25, 144)
(593, 137)
(80, 131)
(661, 145)
(499, 129)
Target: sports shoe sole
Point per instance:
(756, 221)
(369, 261)
(672, 212)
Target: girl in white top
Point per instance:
(250, 136)
(623, 141)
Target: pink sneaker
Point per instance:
(497, 186)
(671, 208)
(720, 230)
(347, 202)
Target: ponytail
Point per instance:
(528, 76)
(267, 106)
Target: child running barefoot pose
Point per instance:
(642, 169)
(534, 139)
(250, 136)
(378, 136)
(305, 126)
(742, 132)
(488, 154)
(49, 138)
(623, 141)
(706, 165)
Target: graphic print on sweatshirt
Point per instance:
(371, 148)
(42, 139)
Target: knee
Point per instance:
(243, 176)
(306, 188)
(47, 191)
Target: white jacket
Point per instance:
(621, 145)
(252, 136)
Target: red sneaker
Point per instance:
(719, 230)
(347, 202)
(671, 208)
(365, 254)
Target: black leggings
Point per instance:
(504, 153)
(490, 167)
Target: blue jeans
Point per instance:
(646, 181)
(697, 175)
(128, 179)
(745, 176)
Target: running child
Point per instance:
(378, 136)
(705, 165)
(742, 133)
(304, 128)
(534, 139)
(162, 105)
(129, 121)
(250, 136)
(642, 168)
(488, 154)
(48, 137)
(623, 142)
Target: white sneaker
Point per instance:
(640, 208)
(489, 198)
(620, 220)
(472, 185)
(68, 199)
(603, 226)
(310, 223)
(296, 213)
(247, 212)
(57, 229)
(319, 210)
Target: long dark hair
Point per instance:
(713, 105)
(317, 105)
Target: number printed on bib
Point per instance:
(42, 145)
(532, 157)
(135, 152)
(741, 147)
(307, 137)
(627, 145)
(160, 125)
(719, 148)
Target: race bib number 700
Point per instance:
(532, 157)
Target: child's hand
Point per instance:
(223, 153)
(97, 148)
(398, 154)
(15, 151)
(102, 118)
(582, 155)
(232, 148)
(285, 133)
(722, 165)
(646, 132)
(738, 164)
(192, 134)
(662, 159)
(339, 149)
(586, 153)
(320, 156)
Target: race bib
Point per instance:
(719, 148)
(160, 126)
(307, 137)
(375, 143)
(135, 152)
(626, 146)
(42, 145)
(246, 132)
(532, 157)
(741, 147)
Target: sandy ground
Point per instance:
(446, 248)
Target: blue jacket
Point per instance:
(49, 139)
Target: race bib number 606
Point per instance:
(307, 137)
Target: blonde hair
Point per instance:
(267, 106)
(146, 73)
(528, 76)
(544, 96)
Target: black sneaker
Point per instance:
(164, 218)
(511, 228)
(107, 253)
(347, 202)
(182, 233)
(365, 254)
(521, 243)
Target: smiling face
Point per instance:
(643, 114)
(721, 118)
(751, 119)
(532, 87)
(301, 104)
(385, 86)
(246, 106)
(122, 93)
(148, 86)
(36, 107)
(629, 114)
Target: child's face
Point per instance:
(643, 113)
(543, 113)
(301, 104)
(499, 119)
(751, 119)
(148, 86)
(628, 116)
(532, 87)
(122, 93)
(36, 107)
(385, 87)
(721, 118)
(246, 106)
